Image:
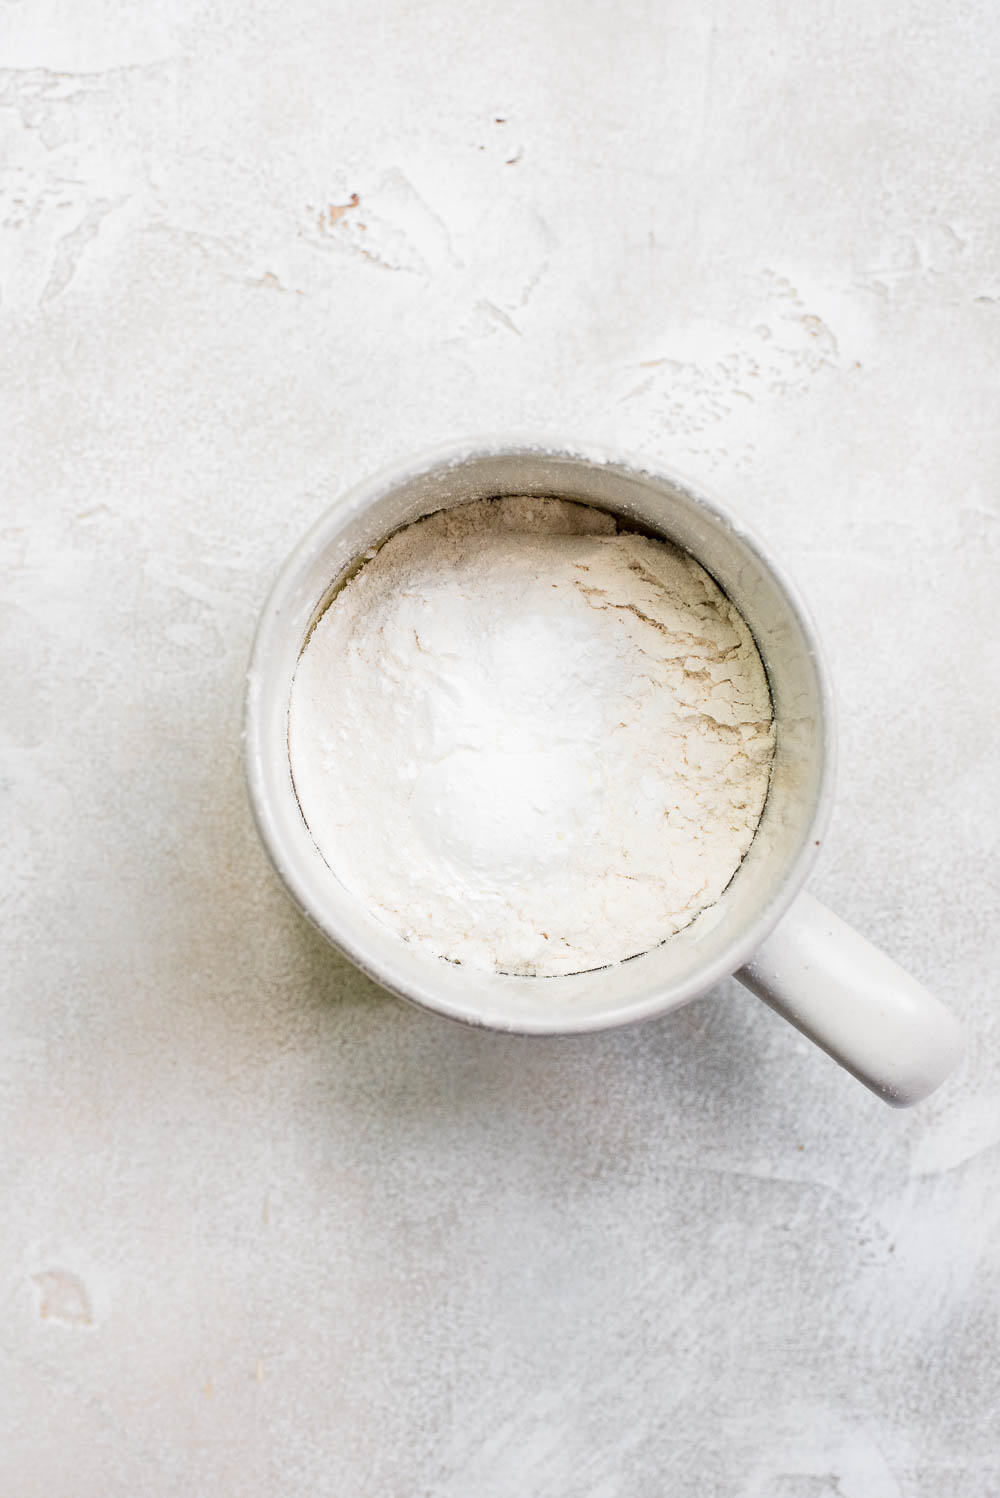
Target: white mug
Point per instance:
(831, 983)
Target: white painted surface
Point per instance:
(264, 1231)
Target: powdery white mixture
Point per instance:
(530, 742)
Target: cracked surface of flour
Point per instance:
(529, 741)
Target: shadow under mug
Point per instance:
(820, 974)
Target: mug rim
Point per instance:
(267, 818)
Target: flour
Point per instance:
(530, 742)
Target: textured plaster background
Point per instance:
(264, 1231)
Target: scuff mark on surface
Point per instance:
(400, 232)
(500, 315)
(529, 289)
(69, 250)
(267, 282)
(63, 1297)
(18, 86)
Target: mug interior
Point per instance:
(720, 939)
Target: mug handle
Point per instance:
(858, 1005)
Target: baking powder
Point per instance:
(529, 741)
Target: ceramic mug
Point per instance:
(831, 983)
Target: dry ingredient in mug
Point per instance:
(529, 741)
